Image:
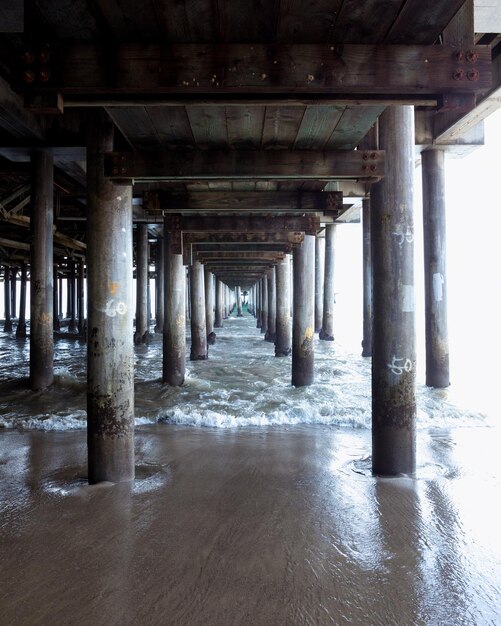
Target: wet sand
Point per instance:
(278, 525)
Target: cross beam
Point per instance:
(168, 165)
(242, 238)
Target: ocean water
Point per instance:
(241, 384)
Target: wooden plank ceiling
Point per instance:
(242, 125)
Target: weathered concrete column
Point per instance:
(258, 303)
(141, 283)
(110, 355)
(159, 287)
(434, 234)
(7, 300)
(218, 321)
(367, 278)
(72, 326)
(327, 332)
(225, 302)
(209, 307)
(55, 304)
(393, 341)
(271, 333)
(239, 302)
(41, 323)
(68, 291)
(283, 341)
(174, 339)
(198, 350)
(319, 281)
(80, 297)
(304, 313)
(13, 291)
(21, 324)
(60, 294)
(264, 305)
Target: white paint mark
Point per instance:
(438, 287)
(408, 298)
(123, 230)
(114, 307)
(399, 368)
(124, 253)
(119, 198)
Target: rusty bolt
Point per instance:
(471, 56)
(123, 170)
(115, 158)
(44, 74)
(373, 156)
(459, 56)
(458, 74)
(114, 170)
(473, 75)
(123, 157)
(28, 76)
(373, 168)
(27, 57)
(365, 156)
(364, 168)
(44, 54)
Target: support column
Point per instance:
(72, 327)
(319, 281)
(7, 300)
(258, 303)
(393, 341)
(141, 284)
(80, 297)
(41, 322)
(21, 324)
(327, 332)
(304, 313)
(218, 322)
(174, 338)
(68, 291)
(159, 287)
(434, 233)
(239, 302)
(55, 293)
(271, 333)
(367, 278)
(198, 328)
(264, 305)
(60, 296)
(110, 355)
(283, 342)
(13, 288)
(209, 307)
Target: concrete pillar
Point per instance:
(239, 302)
(209, 307)
(141, 283)
(80, 297)
(218, 321)
(283, 341)
(13, 291)
(7, 300)
(304, 313)
(271, 333)
(42, 264)
(225, 302)
(60, 296)
(434, 233)
(55, 304)
(72, 326)
(159, 287)
(258, 303)
(264, 305)
(367, 278)
(327, 332)
(68, 290)
(21, 324)
(110, 354)
(319, 281)
(198, 327)
(393, 341)
(174, 338)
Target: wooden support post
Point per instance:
(393, 341)
(434, 233)
(42, 220)
(283, 342)
(21, 324)
(264, 305)
(209, 307)
(110, 354)
(304, 313)
(198, 350)
(159, 287)
(367, 278)
(7, 300)
(80, 297)
(327, 332)
(174, 338)
(319, 281)
(218, 321)
(141, 284)
(56, 323)
(239, 302)
(271, 333)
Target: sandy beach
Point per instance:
(276, 525)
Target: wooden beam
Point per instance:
(201, 165)
(244, 238)
(205, 256)
(245, 202)
(244, 223)
(243, 69)
(18, 245)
